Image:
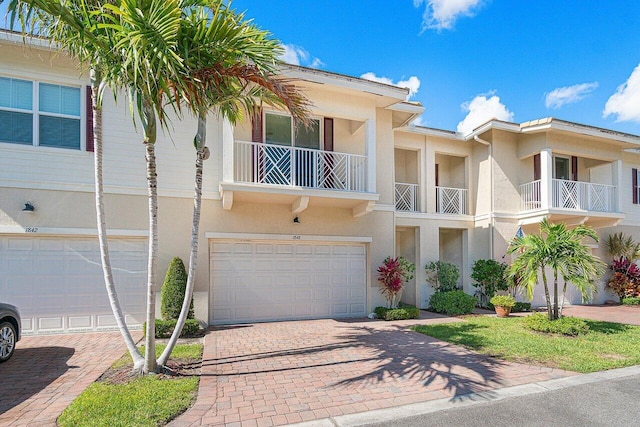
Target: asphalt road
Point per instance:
(613, 402)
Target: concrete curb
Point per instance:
(399, 412)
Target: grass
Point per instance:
(606, 345)
(150, 400)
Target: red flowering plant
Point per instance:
(625, 281)
(393, 274)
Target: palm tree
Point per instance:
(560, 249)
(234, 69)
(622, 246)
(73, 27)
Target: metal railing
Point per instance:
(407, 197)
(575, 195)
(452, 200)
(299, 167)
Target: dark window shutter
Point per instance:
(256, 125)
(574, 168)
(537, 174)
(328, 134)
(437, 177)
(634, 180)
(89, 121)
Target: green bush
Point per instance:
(521, 306)
(506, 301)
(571, 326)
(489, 276)
(173, 289)
(401, 313)
(452, 303)
(164, 328)
(443, 276)
(630, 301)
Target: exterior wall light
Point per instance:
(28, 207)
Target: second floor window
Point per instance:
(43, 114)
(279, 130)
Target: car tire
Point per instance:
(7, 341)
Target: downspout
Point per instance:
(491, 213)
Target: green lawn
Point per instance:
(144, 401)
(605, 346)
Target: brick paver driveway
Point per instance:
(47, 372)
(288, 372)
(607, 313)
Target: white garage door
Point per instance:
(58, 286)
(263, 280)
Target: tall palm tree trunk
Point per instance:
(555, 293)
(138, 361)
(149, 125)
(546, 293)
(201, 155)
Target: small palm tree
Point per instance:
(560, 249)
(622, 246)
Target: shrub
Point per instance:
(452, 303)
(443, 276)
(393, 274)
(625, 281)
(173, 289)
(631, 301)
(164, 328)
(400, 313)
(489, 276)
(521, 306)
(506, 301)
(571, 326)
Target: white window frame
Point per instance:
(569, 167)
(293, 130)
(36, 113)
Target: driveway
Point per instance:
(47, 372)
(608, 313)
(288, 372)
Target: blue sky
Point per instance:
(471, 60)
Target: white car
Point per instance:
(9, 330)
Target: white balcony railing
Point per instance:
(299, 167)
(407, 197)
(575, 195)
(530, 196)
(452, 200)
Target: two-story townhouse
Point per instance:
(294, 222)
(460, 198)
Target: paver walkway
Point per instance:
(287, 372)
(47, 372)
(607, 313)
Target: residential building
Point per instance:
(294, 222)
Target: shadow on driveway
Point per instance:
(29, 371)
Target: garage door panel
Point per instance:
(283, 280)
(61, 286)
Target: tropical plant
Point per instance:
(489, 276)
(232, 70)
(390, 275)
(622, 246)
(506, 301)
(562, 250)
(150, 49)
(443, 276)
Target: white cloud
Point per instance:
(482, 109)
(625, 103)
(412, 83)
(297, 55)
(568, 94)
(419, 121)
(442, 14)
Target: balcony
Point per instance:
(572, 195)
(407, 197)
(270, 173)
(453, 201)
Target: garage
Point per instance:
(57, 283)
(256, 281)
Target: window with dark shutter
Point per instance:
(89, 129)
(537, 174)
